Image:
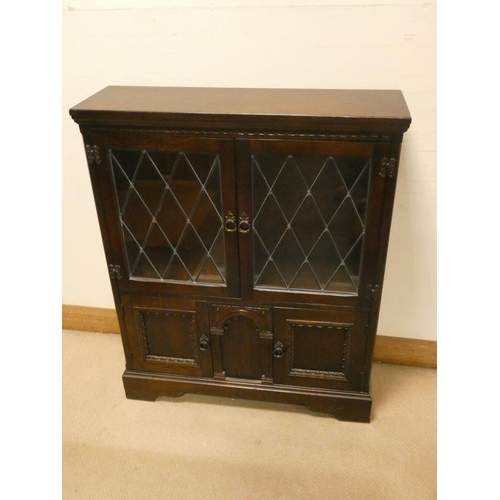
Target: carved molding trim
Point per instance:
(165, 359)
(271, 135)
(260, 316)
(144, 343)
(303, 372)
(216, 331)
(363, 137)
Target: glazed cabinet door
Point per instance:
(319, 348)
(168, 205)
(168, 335)
(310, 214)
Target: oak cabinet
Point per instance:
(246, 235)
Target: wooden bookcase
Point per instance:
(246, 235)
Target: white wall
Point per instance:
(275, 43)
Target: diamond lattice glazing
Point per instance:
(309, 221)
(170, 213)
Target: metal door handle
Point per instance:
(278, 350)
(230, 223)
(244, 223)
(204, 343)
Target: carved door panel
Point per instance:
(168, 335)
(241, 342)
(319, 348)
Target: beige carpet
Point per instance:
(199, 447)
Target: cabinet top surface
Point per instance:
(121, 103)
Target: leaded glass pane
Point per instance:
(289, 255)
(306, 279)
(270, 223)
(170, 213)
(325, 251)
(270, 277)
(289, 188)
(309, 221)
(209, 272)
(217, 251)
(308, 224)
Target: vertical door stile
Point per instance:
(369, 283)
(245, 215)
(229, 206)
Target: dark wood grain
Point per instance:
(229, 108)
(305, 344)
(392, 350)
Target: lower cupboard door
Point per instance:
(169, 335)
(321, 349)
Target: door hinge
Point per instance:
(372, 292)
(388, 167)
(115, 272)
(93, 154)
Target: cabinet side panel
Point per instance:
(94, 149)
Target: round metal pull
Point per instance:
(244, 223)
(230, 223)
(204, 343)
(278, 350)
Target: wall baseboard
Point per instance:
(403, 351)
(89, 319)
(394, 350)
